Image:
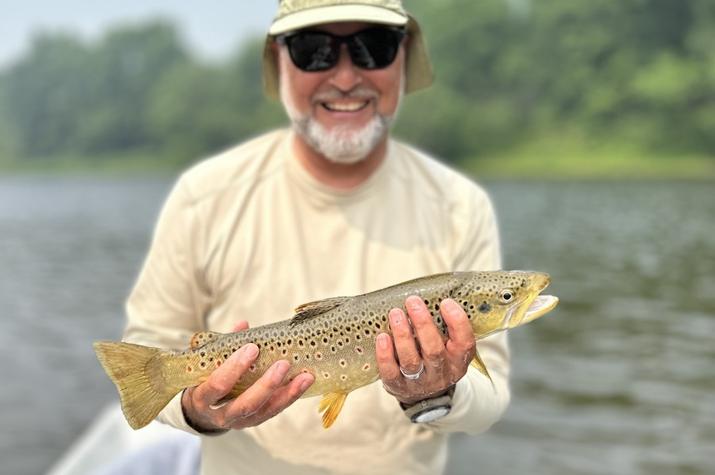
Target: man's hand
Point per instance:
(444, 360)
(264, 399)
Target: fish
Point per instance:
(334, 339)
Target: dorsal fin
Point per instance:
(312, 309)
(201, 338)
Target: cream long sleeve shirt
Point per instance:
(249, 235)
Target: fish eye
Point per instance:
(506, 295)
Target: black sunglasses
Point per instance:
(372, 48)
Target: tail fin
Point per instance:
(136, 372)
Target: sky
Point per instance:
(212, 29)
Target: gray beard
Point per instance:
(342, 145)
(339, 144)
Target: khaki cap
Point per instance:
(296, 14)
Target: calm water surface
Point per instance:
(619, 380)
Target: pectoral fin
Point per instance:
(479, 365)
(330, 406)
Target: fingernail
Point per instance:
(305, 385)
(382, 341)
(395, 316)
(279, 371)
(413, 302)
(250, 351)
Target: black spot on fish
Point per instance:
(484, 307)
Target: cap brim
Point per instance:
(336, 14)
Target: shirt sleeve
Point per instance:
(168, 301)
(477, 404)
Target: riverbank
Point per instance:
(532, 162)
(565, 158)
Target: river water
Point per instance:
(620, 379)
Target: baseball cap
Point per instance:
(298, 14)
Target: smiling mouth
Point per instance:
(354, 106)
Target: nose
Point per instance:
(345, 75)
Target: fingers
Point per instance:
(430, 340)
(418, 341)
(240, 326)
(224, 378)
(253, 398)
(461, 336)
(387, 365)
(286, 395)
(408, 355)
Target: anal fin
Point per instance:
(330, 406)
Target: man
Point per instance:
(331, 207)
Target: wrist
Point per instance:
(431, 409)
(187, 410)
(406, 402)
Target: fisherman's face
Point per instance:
(344, 112)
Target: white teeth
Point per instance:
(344, 106)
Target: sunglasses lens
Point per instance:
(312, 51)
(375, 48)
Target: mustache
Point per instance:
(360, 92)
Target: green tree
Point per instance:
(126, 68)
(45, 91)
(67, 97)
(198, 110)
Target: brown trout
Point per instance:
(334, 339)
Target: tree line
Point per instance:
(508, 71)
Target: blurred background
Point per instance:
(592, 125)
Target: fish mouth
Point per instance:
(540, 305)
(533, 306)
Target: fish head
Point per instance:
(505, 299)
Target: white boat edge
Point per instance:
(106, 440)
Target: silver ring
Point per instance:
(416, 375)
(217, 406)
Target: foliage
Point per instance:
(633, 72)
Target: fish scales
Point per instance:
(338, 346)
(334, 339)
